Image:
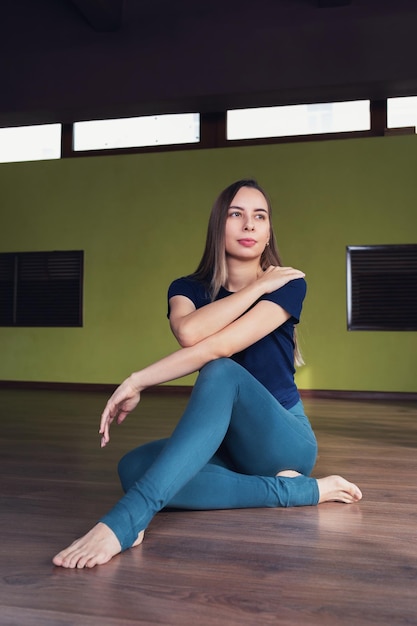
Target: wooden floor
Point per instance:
(329, 565)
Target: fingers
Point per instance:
(111, 413)
(283, 270)
(121, 416)
(276, 276)
(120, 404)
(105, 435)
(290, 271)
(105, 422)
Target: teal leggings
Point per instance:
(225, 452)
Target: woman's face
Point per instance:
(247, 225)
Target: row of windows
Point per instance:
(32, 143)
(46, 288)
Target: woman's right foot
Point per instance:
(331, 488)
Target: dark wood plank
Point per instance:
(332, 564)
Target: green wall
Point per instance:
(141, 221)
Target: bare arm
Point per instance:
(191, 325)
(262, 319)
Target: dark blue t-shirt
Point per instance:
(271, 359)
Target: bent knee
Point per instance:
(221, 367)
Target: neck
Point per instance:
(241, 274)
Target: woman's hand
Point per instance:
(275, 277)
(121, 403)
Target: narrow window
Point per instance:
(134, 132)
(382, 287)
(41, 288)
(402, 112)
(30, 143)
(300, 119)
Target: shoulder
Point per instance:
(191, 288)
(297, 287)
(290, 297)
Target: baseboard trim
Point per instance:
(331, 394)
(55, 386)
(339, 394)
(98, 387)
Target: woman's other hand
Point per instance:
(121, 403)
(275, 277)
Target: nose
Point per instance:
(249, 224)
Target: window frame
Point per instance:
(213, 133)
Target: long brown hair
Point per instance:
(212, 269)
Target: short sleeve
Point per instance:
(191, 289)
(181, 287)
(290, 297)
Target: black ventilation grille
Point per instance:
(41, 288)
(382, 287)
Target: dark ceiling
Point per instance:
(67, 60)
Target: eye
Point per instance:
(260, 216)
(235, 214)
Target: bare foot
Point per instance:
(139, 539)
(337, 489)
(331, 488)
(98, 546)
(289, 473)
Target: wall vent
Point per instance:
(382, 287)
(41, 288)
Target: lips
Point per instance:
(248, 243)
